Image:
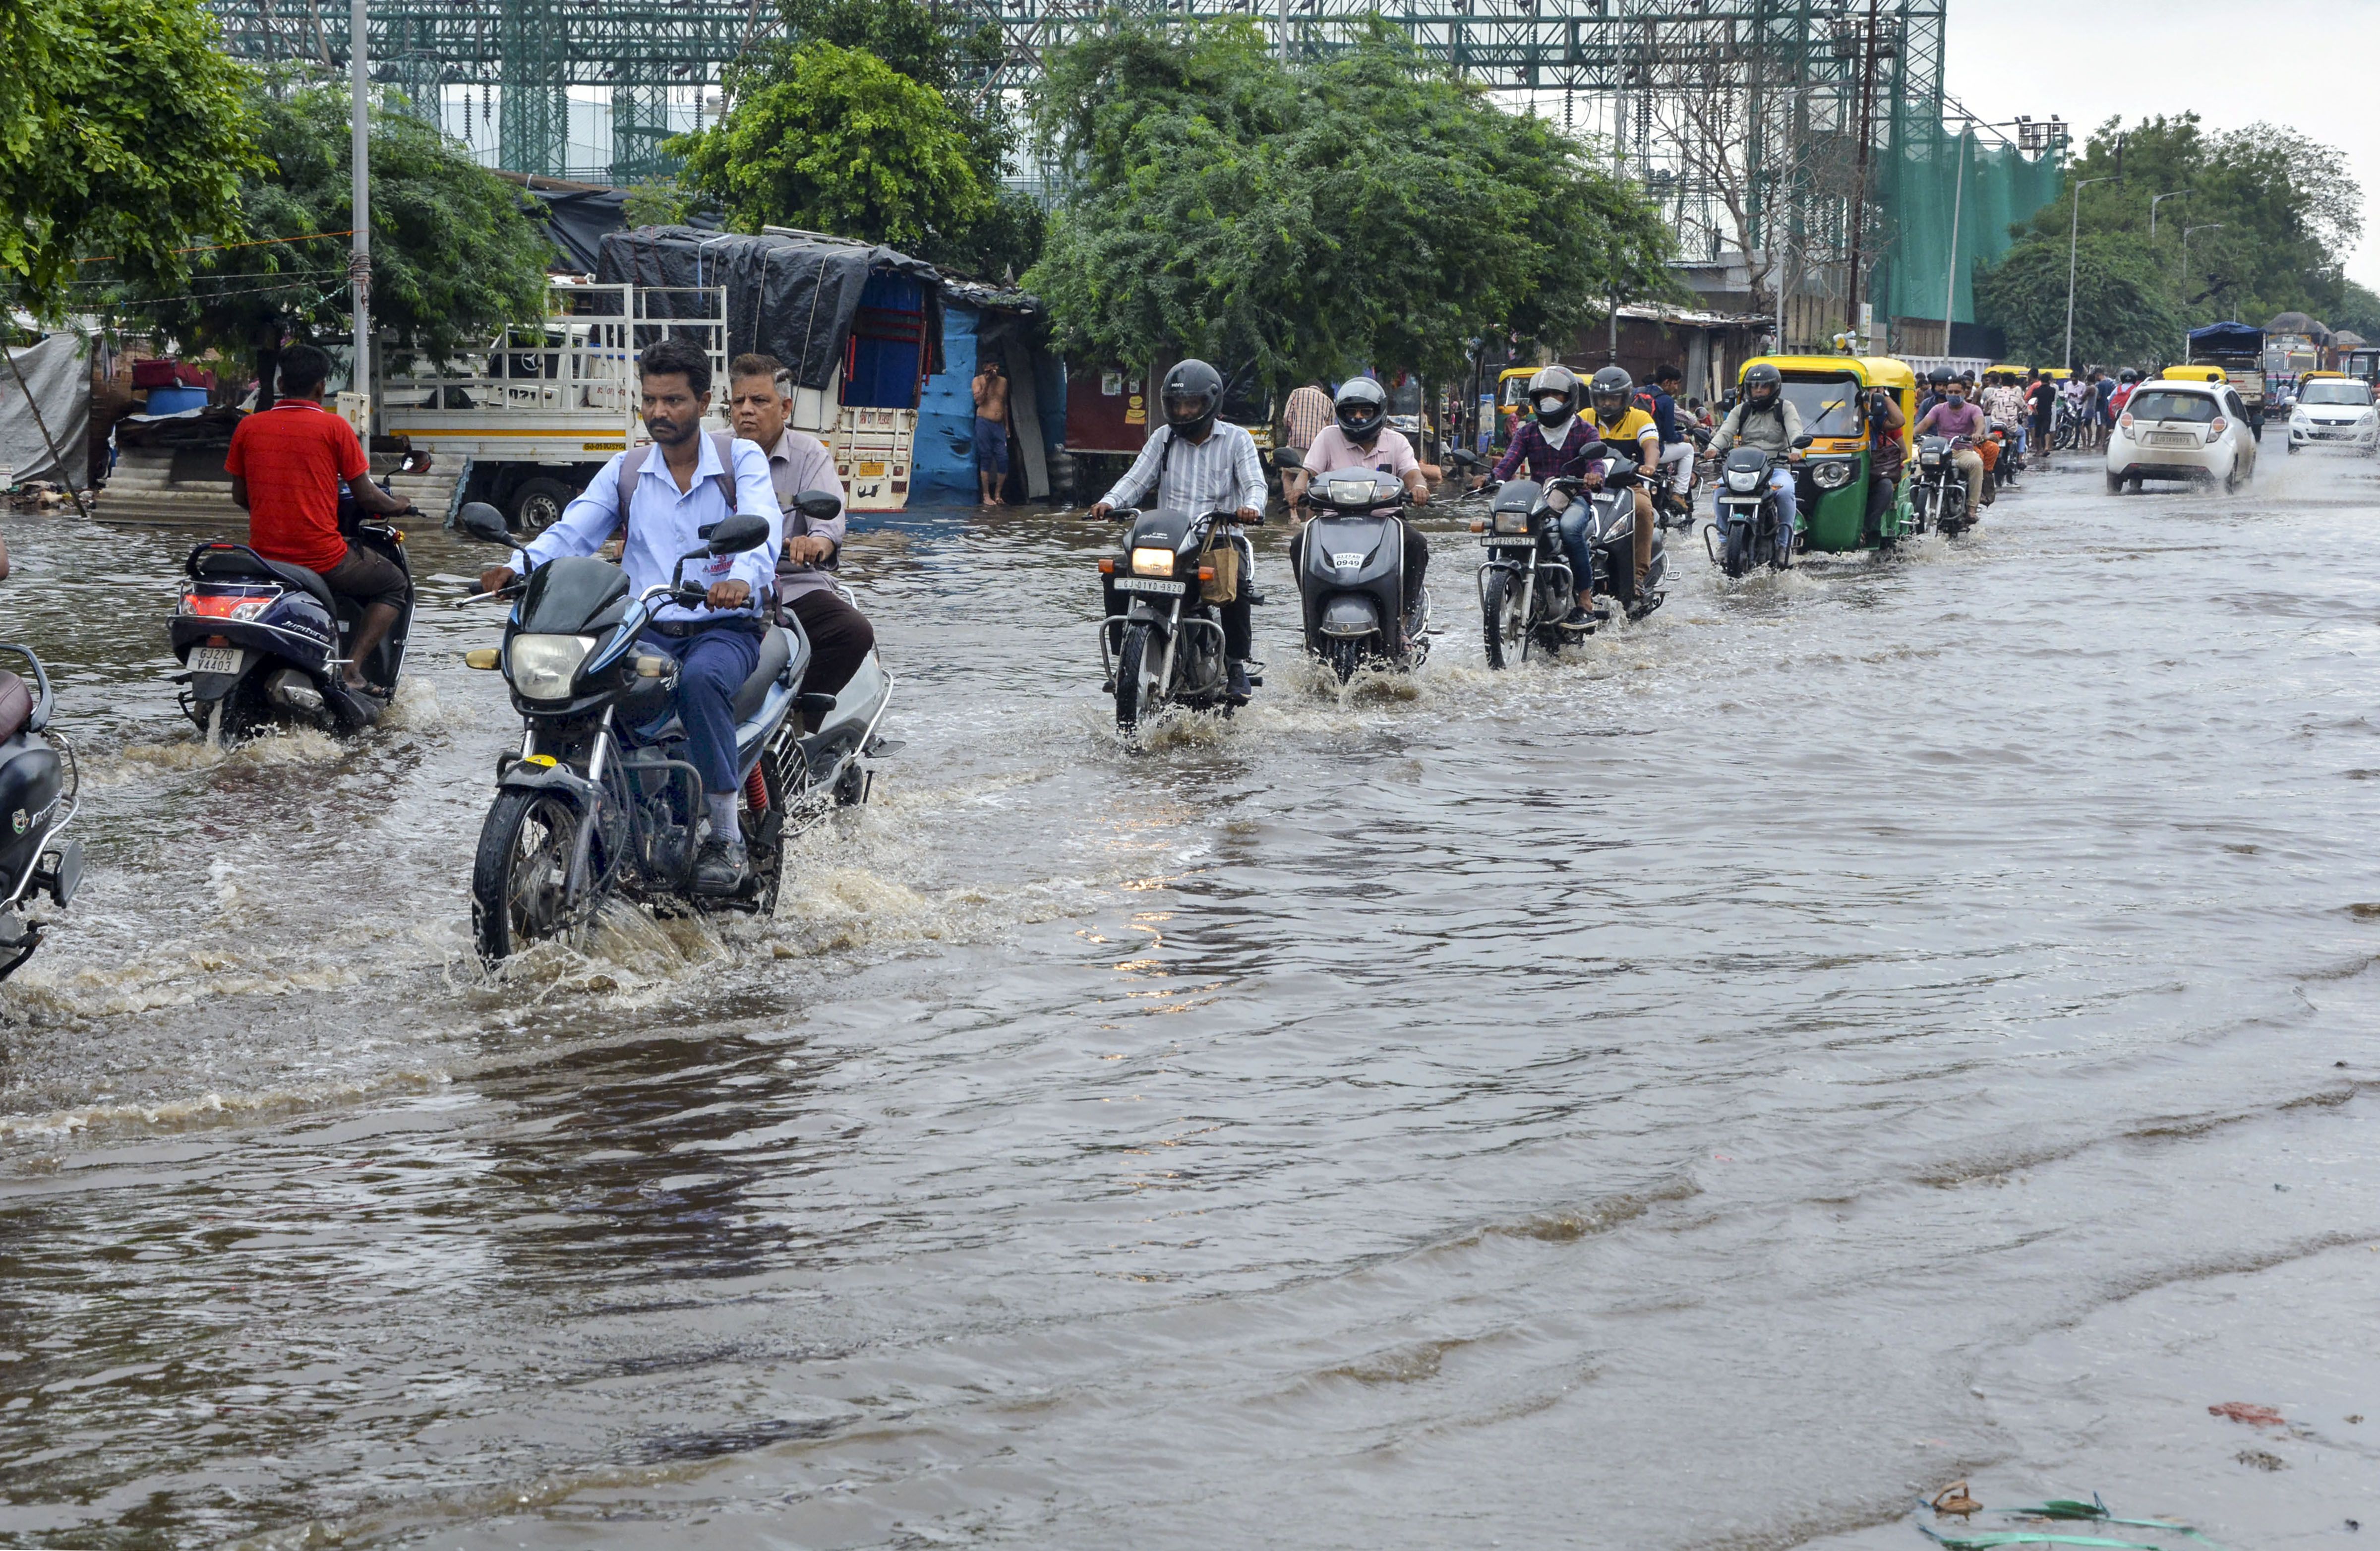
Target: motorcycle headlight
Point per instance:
(1930, 459)
(1830, 476)
(1512, 521)
(543, 666)
(1152, 561)
(1741, 480)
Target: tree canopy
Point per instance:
(833, 140)
(1362, 208)
(125, 130)
(454, 254)
(2123, 303)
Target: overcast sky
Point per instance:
(2303, 63)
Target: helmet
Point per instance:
(1551, 383)
(1612, 390)
(1937, 377)
(1361, 409)
(2131, 376)
(1193, 392)
(1763, 384)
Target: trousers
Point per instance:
(840, 635)
(712, 666)
(1780, 481)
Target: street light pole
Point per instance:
(2074, 245)
(2158, 200)
(1951, 285)
(360, 244)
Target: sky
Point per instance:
(2232, 62)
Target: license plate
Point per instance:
(216, 659)
(2172, 439)
(871, 472)
(1511, 543)
(1151, 584)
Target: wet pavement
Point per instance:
(1895, 1022)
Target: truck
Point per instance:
(2239, 349)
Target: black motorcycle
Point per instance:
(1939, 502)
(1160, 641)
(263, 642)
(1611, 535)
(1756, 524)
(1350, 573)
(601, 799)
(38, 782)
(1526, 585)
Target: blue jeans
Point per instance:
(713, 665)
(1573, 538)
(1779, 479)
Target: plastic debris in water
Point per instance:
(2254, 1415)
(2173, 1536)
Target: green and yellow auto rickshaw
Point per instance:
(1832, 478)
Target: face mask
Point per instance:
(1552, 406)
(1957, 398)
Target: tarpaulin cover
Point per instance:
(2227, 336)
(59, 375)
(792, 297)
(578, 220)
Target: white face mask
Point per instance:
(1552, 406)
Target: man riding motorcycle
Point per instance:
(1554, 446)
(760, 397)
(1765, 418)
(1954, 417)
(1361, 436)
(1197, 465)
(1616, 418)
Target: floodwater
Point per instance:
(1901, 1023)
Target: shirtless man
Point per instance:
(991, 432)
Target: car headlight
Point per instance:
(1513, 520)
(1152, 561)
(543, 666)
(2299, 418)
(1830, 476)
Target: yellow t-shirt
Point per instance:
(1633, 426)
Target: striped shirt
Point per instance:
(1220, 474)
(1307, 412)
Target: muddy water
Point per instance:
(1899, 1023)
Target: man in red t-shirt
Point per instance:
(286, 466)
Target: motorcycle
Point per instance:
(39, 786)
(262, 642)
(1941, 495)
(1755, 527)
(1351, 571)
(1525, 586)
(1160, 642)
(600, 800)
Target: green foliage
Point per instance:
(2358, 310)
(659, 201)
(1362, 208)
(2123, 305)
(122, 130)
(833, 140)
(454, 254)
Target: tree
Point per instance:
(1364, 209)
(454, 257)
(833, 140)
(2123, 304)
(124, 130)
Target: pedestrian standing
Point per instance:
(991, 432)
(1302, 420)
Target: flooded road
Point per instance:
(1898, 1023)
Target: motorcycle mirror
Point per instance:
(818, 505)
(1801, 442)
(1288, 457)
(1594, 450)
(1464, 457)
(484, 522)
(734, 535)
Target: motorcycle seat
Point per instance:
(15, 705)
(776, 650)
(235, 564)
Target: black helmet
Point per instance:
(1939, 376)
(1760, 375)
(1612, 390)
(1551, 382)
(1193, 392)
(1361, 409)
(2131, 376)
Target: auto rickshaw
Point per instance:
(1830, 393)
(1512, 399)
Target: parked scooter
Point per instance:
(38, 798)
(1350, 579)
(262, 642)
(1162, 642)
(1755, 525)
(601, 799)
(1940, 498)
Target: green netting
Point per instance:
(1997, 188)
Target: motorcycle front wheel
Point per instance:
(1137, 691)
(521, 878)
(1736, 559)
(1500, 611)
(1345, 654)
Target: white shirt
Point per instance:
(1220, 474)
(665, 522)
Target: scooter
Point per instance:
(1755, 527)
(1940, 498)
(1160, 641)
(1350, 573)
(38, 782)
(263, 642)
(600, 800)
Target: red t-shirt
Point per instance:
(295, 457)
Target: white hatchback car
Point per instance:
(2182, 430)
(2334, 412)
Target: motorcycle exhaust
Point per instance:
(294, 690)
